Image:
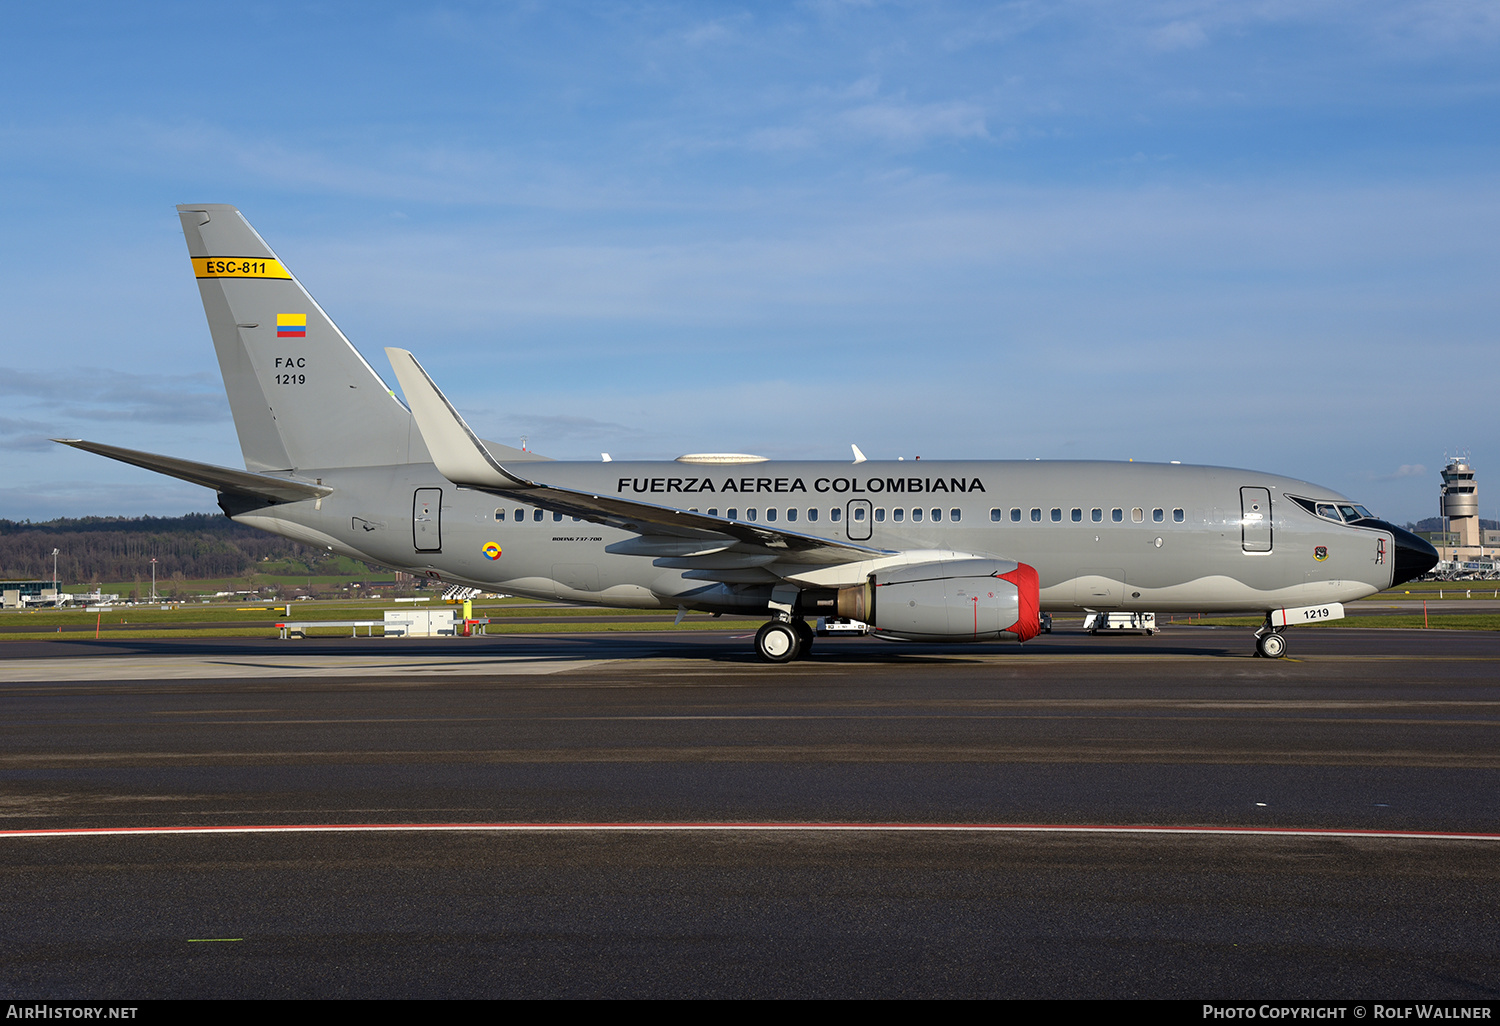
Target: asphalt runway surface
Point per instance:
(664, 816)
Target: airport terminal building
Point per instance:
(18, 594)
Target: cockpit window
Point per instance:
(1338, 512)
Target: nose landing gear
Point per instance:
(1269, 643)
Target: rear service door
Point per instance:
(426, 520)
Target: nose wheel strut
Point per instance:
(1270, 643)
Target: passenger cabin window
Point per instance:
(1015, 515)
(937, 515)
(1138, 515)
(1117, 514)
(1157, 516)
(537, 515)
(734, 513)
(791, 515)
(1096, 515)
(1077, 515)
(1056, 515)
(1177, 516)
(557, 518)
(751, 514)
(520, 516)
(880, 515)
(1036, 515)
(955, 514)
(812, 515)
(859, 515)
(499, 514)
(714, 511)
(996, 515)
(898, 515)
(835, 514)
(770, 516)
(916, 516)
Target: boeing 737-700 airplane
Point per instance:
(929, 551)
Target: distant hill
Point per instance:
(1436, 524)
(199, 545)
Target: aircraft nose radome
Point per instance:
(1414, 556)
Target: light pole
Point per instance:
(153, 578)
(54, 578)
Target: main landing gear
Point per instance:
(781, 641)
(1270, 643)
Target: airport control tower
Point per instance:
(1460, 502)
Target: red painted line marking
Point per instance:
(313, 828)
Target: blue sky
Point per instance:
(1257, 234)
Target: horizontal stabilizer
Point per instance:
(222, 479)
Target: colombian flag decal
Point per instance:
(291, 325)
(491, 551)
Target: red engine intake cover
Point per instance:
(1029, 591)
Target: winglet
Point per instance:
(459, 454)
(859, 457)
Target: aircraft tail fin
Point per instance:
(301, 394)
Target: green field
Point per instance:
(1441, 589)
(224, 620)
(239, 618)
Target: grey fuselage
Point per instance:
(1128, 536)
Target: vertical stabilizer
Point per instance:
(301, 395)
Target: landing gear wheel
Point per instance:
(805, 636)
(1270, 645)
(777, 642)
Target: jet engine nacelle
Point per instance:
(949, 600)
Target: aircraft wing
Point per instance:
(463, 459)
(221, 479)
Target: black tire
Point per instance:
(1271, 645)
(777, 642)
(806, 635)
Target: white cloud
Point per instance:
(907, 124)
(717, 31)
(1179, 35)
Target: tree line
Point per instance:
(199, 545)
